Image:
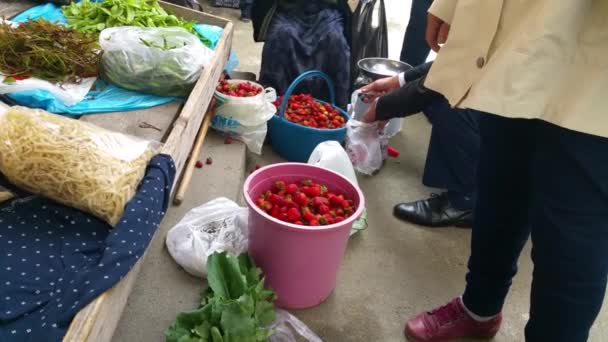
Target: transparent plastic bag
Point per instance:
(284, 326)
(331, 155)
(245, 118)
(72, 162)
(160, 61)
(364, 146)
(218, 225)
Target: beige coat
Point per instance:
(544, 59)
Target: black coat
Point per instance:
(263, 11)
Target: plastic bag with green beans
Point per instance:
(160, 61)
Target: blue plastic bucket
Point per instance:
(295, 142)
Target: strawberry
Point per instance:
(276, 199)
(338, 219)
(293, 215)
(301, 199)
(314, 191)
(307, 214)
(199, 164)
(267, 206)
(275, 211)
(291, 188)
(279, 186)
(319, 201)
(323, 209)
(283, 217)
(209, 161)
(299, 223)
(259, 202)
(314, 222)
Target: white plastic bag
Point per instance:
(283, 325)
(161, 61)
(245, 118)
(331, 155)
(218, 225)
(364, 147)
(358, 108)
(72, 162)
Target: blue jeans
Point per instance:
(415, 50)
(537, 179)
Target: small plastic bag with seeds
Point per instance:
(216, 226)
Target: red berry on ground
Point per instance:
(199, 164)
(209, 161)
(228, 141)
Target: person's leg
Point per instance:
(500, 231)
(246, 6)
(501, 226)
(569, 219)
(451, 164)
(415, 49)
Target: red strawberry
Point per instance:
(283, 217)
(199, 164)
(338, 219)
(276, 199)
(301, 199)
(275, 211)
(279, 186)
(209, 161)
(308, 215)
(299, 223)
(319, 201)
(291, 188)
(293, 215)
(323, 209)
(313, 222)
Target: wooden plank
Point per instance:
(186, 126)
(97, 321)
(10, 8)
(151, 124)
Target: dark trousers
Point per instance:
(246, 6)
(451, 161)
(415, 49)
(538, 179)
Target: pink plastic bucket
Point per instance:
(300, 263)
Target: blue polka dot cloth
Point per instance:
(54, 260)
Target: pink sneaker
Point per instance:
(449, 322)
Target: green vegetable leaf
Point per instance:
(202, 330)
(216, 336)
(9, 80)
(238, 324)
(224, 276)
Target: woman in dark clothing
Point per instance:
(303, 35)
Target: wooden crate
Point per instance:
(176, 125)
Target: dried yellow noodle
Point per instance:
(72, 162)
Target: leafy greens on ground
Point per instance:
(235, 308)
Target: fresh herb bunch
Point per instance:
(93, 17)
(48, 51)
(236, 308)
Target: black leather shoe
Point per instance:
(436, 211)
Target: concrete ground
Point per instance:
(390, 272)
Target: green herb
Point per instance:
(48, 51)
(93, 17)
(236, 308)
(9, 80)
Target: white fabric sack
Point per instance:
(218, 225)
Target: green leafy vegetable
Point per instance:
(9, 80)
(235, 308)
(93, 17)
(48, 51)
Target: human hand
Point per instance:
(380, 87)
(436, 32)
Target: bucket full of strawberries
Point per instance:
(302, 122)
